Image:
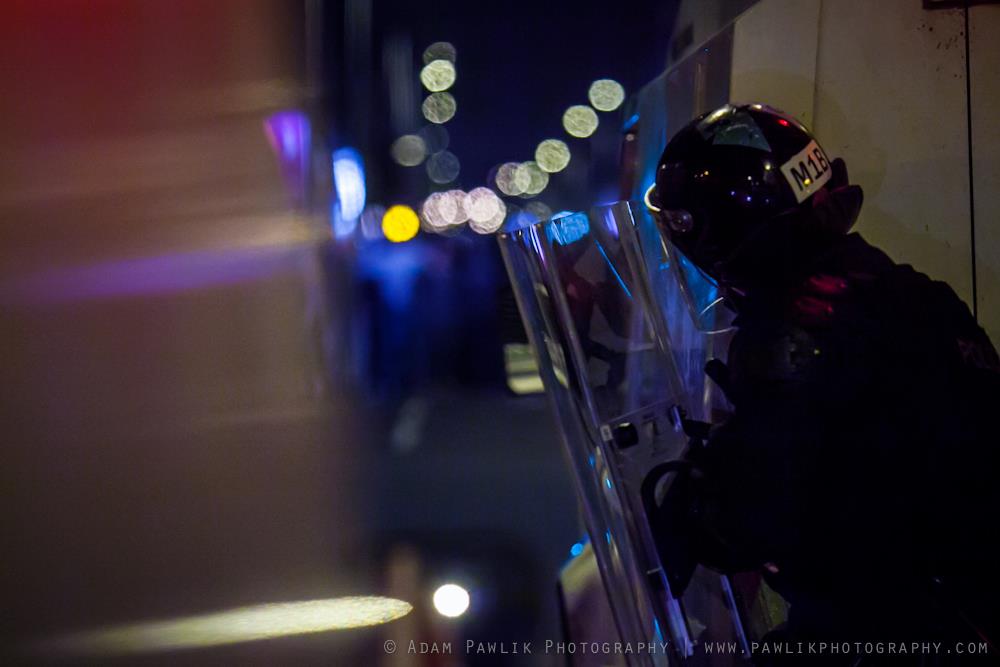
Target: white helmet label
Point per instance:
(807, 171)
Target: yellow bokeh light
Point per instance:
(400, 223)
(440, 51)
(438, 75)
(606, 94)
(552, 155)
(233, 626)
(523, 177)
(439, 107)
(507, 179)
(530, 178)
(580, 121)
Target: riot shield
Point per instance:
(699, 327)
(605, 354)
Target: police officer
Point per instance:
(858, 469)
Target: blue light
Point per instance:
(607, 482)
(520, 220)
(396, 268)
(342, 227)
(566, 228)
(349, 182)
(704, 289)
(614, 271)
(290, 144)
(610, 222)
(576, 549)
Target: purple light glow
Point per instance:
(290, 136)
(146, 276)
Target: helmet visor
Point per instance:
(698, 291)
(702, 297)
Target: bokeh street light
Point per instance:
(486, 210)
(580, 121)
(440, 51)
(409, 150)
(552, 155)
(439, 107)
(606, 94)
(451, 600)
(443, 167)
(530, 178)
(400, 223)
(438, 75)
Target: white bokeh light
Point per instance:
(486, 210)
(409, 150)
(430, 216)
(443, 210)
(443, 167)
(452, 208)
(507, 181)
(451, 600)
(439, 107)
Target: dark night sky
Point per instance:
(521, 64)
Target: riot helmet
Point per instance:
(744, 179)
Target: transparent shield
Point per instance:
(699, 328)
(697, 322)
(606, 357)
(701, 293)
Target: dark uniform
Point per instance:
(856, 462)
(859, 466)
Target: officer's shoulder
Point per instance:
(899, 290)
(922, 298)
(923, 312)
